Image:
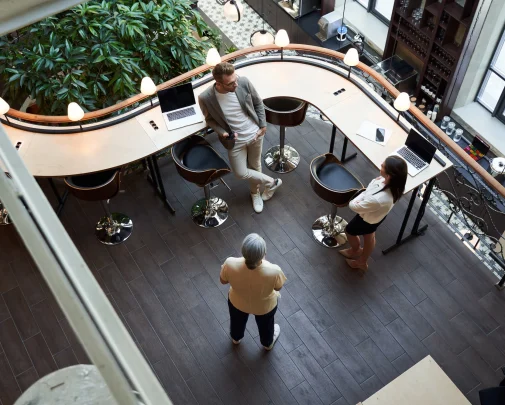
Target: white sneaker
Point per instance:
(257, 202)
(277, 332)
(269, 191)
(236, 342)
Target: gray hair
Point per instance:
(254, 250)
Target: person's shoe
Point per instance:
(236, 342)
(269, 191)
(277, 332)
(349, 253)
(257, 202)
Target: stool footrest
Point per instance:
(114, 229)
(209, 213)
(329, 233)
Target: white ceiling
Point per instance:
(15, 14)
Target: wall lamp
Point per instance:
(282, 40)
(75, 112)
(402, 103)
(351, 59)
(4, 108)
(147, 87)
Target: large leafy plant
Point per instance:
(96, 53)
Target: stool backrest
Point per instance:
(199, 177)
(285, 111)
(350, 185)
(95, 186)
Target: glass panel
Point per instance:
(364, 3)
(491, 90)
(499, 57)
(384, 7)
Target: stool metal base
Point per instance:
(327, 235)
(209, 213)
(282, 164)
(4, 216)
(114, 230)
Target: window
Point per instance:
(491, 94)
(382, 9)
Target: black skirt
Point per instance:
(358, 226)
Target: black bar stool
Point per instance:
(197, 162)
(114, 227)
(285, 112)
(333, 183)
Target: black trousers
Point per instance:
(238, 321)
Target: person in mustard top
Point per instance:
(254, 289)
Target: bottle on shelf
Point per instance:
(435, 112)
(429, 113)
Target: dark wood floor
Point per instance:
(342, 337)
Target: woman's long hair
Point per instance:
(396, 168)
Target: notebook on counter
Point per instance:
(374, 132)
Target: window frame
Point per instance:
(371, 8)
(499, 110)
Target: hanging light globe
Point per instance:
(262, 37)
(233, 10)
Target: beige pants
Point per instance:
(245, 161)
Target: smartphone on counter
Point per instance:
(380, 134)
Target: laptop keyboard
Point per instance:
(411, 157)
(177, 115)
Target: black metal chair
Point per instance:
(331, 181)
(197, 162)
(285, 112)
(114, 227)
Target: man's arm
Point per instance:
(258, 105)
(211, 122)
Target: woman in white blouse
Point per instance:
(371, 208)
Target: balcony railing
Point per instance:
(467, 195)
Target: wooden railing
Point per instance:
(490, 180)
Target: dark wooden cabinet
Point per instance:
(257, 5)
(270, 12)
(437, 45)
(284, 22)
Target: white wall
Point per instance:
(356, 17)
(493, 26)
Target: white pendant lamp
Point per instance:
(75, 112)
(282, 40)
(402, 103)
(262, 36)
(351, 59)
(147, 87)
(213, 57)
(4, 108)
(233, 10)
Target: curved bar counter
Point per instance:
(55, 155)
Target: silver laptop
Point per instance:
(178, 106)
(418, 152)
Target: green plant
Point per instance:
(231, 49)
(97, 53)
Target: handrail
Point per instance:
(490, 180)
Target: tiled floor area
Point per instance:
(342, 337)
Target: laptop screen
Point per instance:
(420, 146)
(176, 97)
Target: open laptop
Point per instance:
(418, 152)
(178, 106)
